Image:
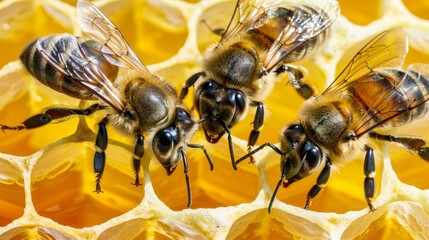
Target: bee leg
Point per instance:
(369, 183)
(209, 158)
(231, 149)
(190, 82)
(217, 31)
(295, 78)
(258, 124)
(100, 156)
(322, 179)
(138, 154)
(55, 114)
(415, 145)
(185, 170)
(424, 153)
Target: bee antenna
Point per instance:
(231, 150)
(251, 153)
(209, 158)
(185, 170)
(203, 119)
(277, 188)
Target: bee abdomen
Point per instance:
(279, 19)
(306, 14)
(416, 87)
(38, 67)
(45, 73)
(395, 96)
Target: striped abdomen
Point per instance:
(273, 22)
(391, 97)
(44, 72)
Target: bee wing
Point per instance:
(69, 57)
(246, 14)
(94, 23)
(306, 23)
(412, 89)
(387, 49)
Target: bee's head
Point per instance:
(302, 156)
(168, 143)
(220, 107)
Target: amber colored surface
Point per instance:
(12, 192)
(61, 170)
(362, 12)
(35, 232)
(46, 174)
(417, 8)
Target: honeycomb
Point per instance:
(46, 176)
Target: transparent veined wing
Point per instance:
(68, 57)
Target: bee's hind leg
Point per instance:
(296, 80)
(60, 114)
(51, 114)
(369, 183)
(416, 145)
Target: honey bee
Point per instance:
(241, 69)
(372, 92)
(137, 104)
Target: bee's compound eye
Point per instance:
(295, 127)
(312, 154)
(240, 100)
(210, 85)
(163, 144)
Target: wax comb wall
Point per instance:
(46, 175)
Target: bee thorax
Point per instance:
(235, 65)
(152, 105)
(328, 123)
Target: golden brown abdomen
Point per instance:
(391, 97)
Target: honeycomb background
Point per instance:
(46, 177)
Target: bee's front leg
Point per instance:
(190, 82)
(322, 179)
(138, 154)
(258, 124)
